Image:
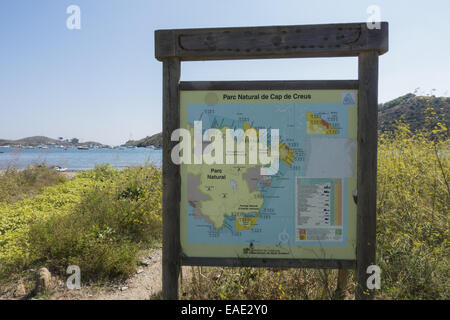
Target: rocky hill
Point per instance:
(154, 140)
(411, 109)
(41, 140)
(30, 141)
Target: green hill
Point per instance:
(41, 140)
(154, 140)
(411, 109)
(31, 141)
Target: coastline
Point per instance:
(69, 174)
(75, 160)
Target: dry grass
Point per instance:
(16, 185)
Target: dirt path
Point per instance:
(144, 285)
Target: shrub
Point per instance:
(86, 221)
(260, 283)
(412, 213)
(16, 185)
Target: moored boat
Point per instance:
(59, 169)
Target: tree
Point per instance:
(74, 141)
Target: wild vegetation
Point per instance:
(17, 185)
(98, 221)
(413, 210)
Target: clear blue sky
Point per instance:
(103, 83)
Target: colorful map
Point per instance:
(305, 204)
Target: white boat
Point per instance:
(59, 169)
(83, 148)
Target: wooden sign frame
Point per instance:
(328, 40)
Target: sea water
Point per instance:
(75, 159)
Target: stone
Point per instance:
(43, 280)
(19, 291)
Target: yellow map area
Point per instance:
(245, 223)
(286, 154)
(316, 125)
(228, 192)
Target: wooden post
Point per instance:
(171, 181)
(367, 169)
(341, 283)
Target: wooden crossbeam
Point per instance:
(322, 40)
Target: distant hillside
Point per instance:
(31, 141)
(40, 140)
(154, 140)
(411, 109)
(90, 143)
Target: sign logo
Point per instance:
(348, 98)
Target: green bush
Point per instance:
(98, 221)
(412, 213)
(16, 185)
(72, 240)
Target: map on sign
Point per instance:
(302, 207)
